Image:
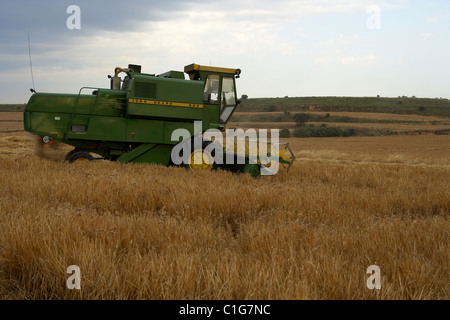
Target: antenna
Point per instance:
(31, 65)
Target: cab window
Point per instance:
(211, 92)
(228, 98)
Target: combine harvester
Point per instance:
(135, 121)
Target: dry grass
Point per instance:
(10, 126)
(422, 150)
(151, 232)
(388, 126)
(11, 121)
(11, 116)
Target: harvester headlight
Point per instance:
(47, 139)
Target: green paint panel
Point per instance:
(155, 111)
(157, 155)
(141, 130)
(47, 123)
(103, 129)
(107, 128)
(182, 127)
(172, 74)
(110, 103)
(167, 89)
(148, 153)
(61, 103)
(136, 152)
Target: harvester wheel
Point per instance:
(71, 152)
(80, 156)
(201, 159)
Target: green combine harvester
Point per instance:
(135, 119)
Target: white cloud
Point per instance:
(367, 60)
(271, 10)
(332, 51)
(287, 41)
(426, 34)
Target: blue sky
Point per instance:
(284, 48)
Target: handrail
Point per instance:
(76, 106)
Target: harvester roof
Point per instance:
(195, 69)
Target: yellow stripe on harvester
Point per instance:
(166, 103)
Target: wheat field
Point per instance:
(139, 231)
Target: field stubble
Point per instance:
(151, 232)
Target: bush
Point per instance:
(349, 132)
(271, 108)
(285, 133)
(304, 132)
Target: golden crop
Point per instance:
(141, 231)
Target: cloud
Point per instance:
(285, 9)
(426, 34)
(332, 51)
(286, 39)
(367, 60)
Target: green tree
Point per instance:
(301, 119)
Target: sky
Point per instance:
(284, 48)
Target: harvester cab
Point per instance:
(219, 88)
(137, 119)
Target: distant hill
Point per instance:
(331, 116)
(400, 105)
(12, 107)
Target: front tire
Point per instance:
(201, 159)
(69, 154)
(79, 157)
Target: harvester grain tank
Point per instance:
(134, 119)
